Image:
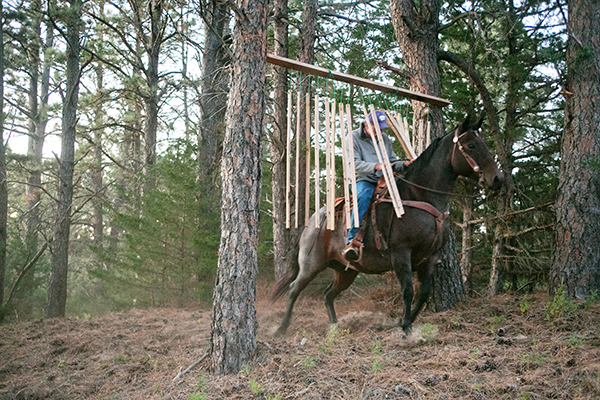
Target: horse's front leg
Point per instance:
(403, 269)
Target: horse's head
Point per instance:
(471, 156)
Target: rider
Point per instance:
(368, 171)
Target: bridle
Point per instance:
(469, 159)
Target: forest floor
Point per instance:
(508, 347)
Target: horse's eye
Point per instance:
(471, 146)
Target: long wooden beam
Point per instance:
(355, 80)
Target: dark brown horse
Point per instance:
(413, 240)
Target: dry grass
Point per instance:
(501, 348)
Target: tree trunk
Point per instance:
(467, 243)
(416, 29)
(277, 143)
(57, 287)
(234, 323)
(152, 46)
(505, 198)
(213, 98)
(98, 212)
(38, 105)
(3, 176)
(576, 256)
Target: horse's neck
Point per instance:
(437, 175)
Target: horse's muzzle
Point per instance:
(498, 181)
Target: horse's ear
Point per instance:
(480, 121)
(465, 125)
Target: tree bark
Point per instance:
(576, 256)
(57, 287)
(3, 176)
(234, 323)
(152, 45)
(98, 212)
(38, 119)
(416, 28)
(97, 201)
(214, 87)
(281, 235)
(505, 199)
(467, 243)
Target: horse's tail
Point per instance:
(292, 273)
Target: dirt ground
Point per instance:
(508, 347)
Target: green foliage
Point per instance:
(574, 340)
(559, 306)
(428, 331)
(591, 300)
(170, 239)
(333, 339)
(309, 361)
(197, 396)
(523, 306)
(534, 358)
(376, 362)
(256, 387)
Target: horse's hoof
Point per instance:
(279, 332)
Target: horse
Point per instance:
(413, 240)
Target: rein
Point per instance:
(464, 196)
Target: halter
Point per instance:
(469, 159)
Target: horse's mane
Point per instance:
(424, 158)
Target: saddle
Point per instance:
(381, 195)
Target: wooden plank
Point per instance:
(345, 167)
(332, 160)
(317, 167)
(383, 159)
(307, 145)
(288, 160)
(352, 165)
(328, 163)
(297, 188)
(342, 77)
(396, 127)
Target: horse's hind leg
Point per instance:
(342, 279)
(424, 274)
(305, 276)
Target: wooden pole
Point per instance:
(352, 166)
(327, 163)
(331, 222)
(398, 129)
(341, 77)
(383, 159)
(307, 187)
(428, 138)
(297, 188)
(288, 160)
(317, 166)
(345, 168)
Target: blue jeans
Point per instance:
(364, 192)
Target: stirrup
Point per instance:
(352, 252)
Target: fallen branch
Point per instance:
(188, 369)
